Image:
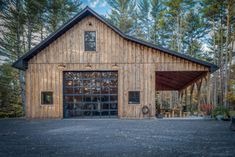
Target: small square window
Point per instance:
(90, 40)
(134, 97)
(46, 98)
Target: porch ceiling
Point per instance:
(176, 80)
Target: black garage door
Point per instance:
(90, 93)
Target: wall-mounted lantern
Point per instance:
(61, 66)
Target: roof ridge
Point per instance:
(22, 62)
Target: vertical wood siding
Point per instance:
(137, 65)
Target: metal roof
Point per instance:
(22, 62)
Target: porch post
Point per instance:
(208, 89)
(199, 84)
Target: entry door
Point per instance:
(90, 94)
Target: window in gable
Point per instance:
(90, 40)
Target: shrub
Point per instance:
(11, 110)
(4, 115)
(221, 110)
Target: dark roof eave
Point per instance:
(86, 12)
(20, 64)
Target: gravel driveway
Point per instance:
(115, 138)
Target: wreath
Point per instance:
(145, 109)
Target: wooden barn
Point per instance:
(89, 68)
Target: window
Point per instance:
(90, 40)
(134, 97)
(46, 98)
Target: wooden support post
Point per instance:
(199, 84)
(208, 89)
(186, 97)
(191, 96)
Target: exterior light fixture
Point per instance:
(61, 66)
(115, 66)
(88, 66)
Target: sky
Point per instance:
(100, 6)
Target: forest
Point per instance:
(204, 29)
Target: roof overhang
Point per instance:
(182, 79)
(22, 62)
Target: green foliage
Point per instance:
(181, 25)
(213, 9)
(60, 11)
(23, 25)
(143, 19)
(122, 14)
(195, 29)
(10, 105)
(14, 111)
(220, 110)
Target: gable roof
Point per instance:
(22, 62)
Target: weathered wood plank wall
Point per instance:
(136, 68)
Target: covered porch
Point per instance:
(178, 93)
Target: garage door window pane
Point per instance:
(113, 106)
(105, 106)
(94, 92)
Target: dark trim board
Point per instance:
(22, 62)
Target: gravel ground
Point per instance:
(115, 138)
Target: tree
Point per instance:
(11, 34)
(220, 14)
(10, 104)
(144, 18)
(195, 29)
(156, 9)
(59, 11)
(23, 25)
(174, 13)
(122, 13)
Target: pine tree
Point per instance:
(214, 12)
(10, 104)
(12, 16)
(144, 18)
(122, 14)
(33, 11)
(174, 13)
(59, 11)
(156, 10)
(23, 25)
(195, 29)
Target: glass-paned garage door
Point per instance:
(90, 93)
